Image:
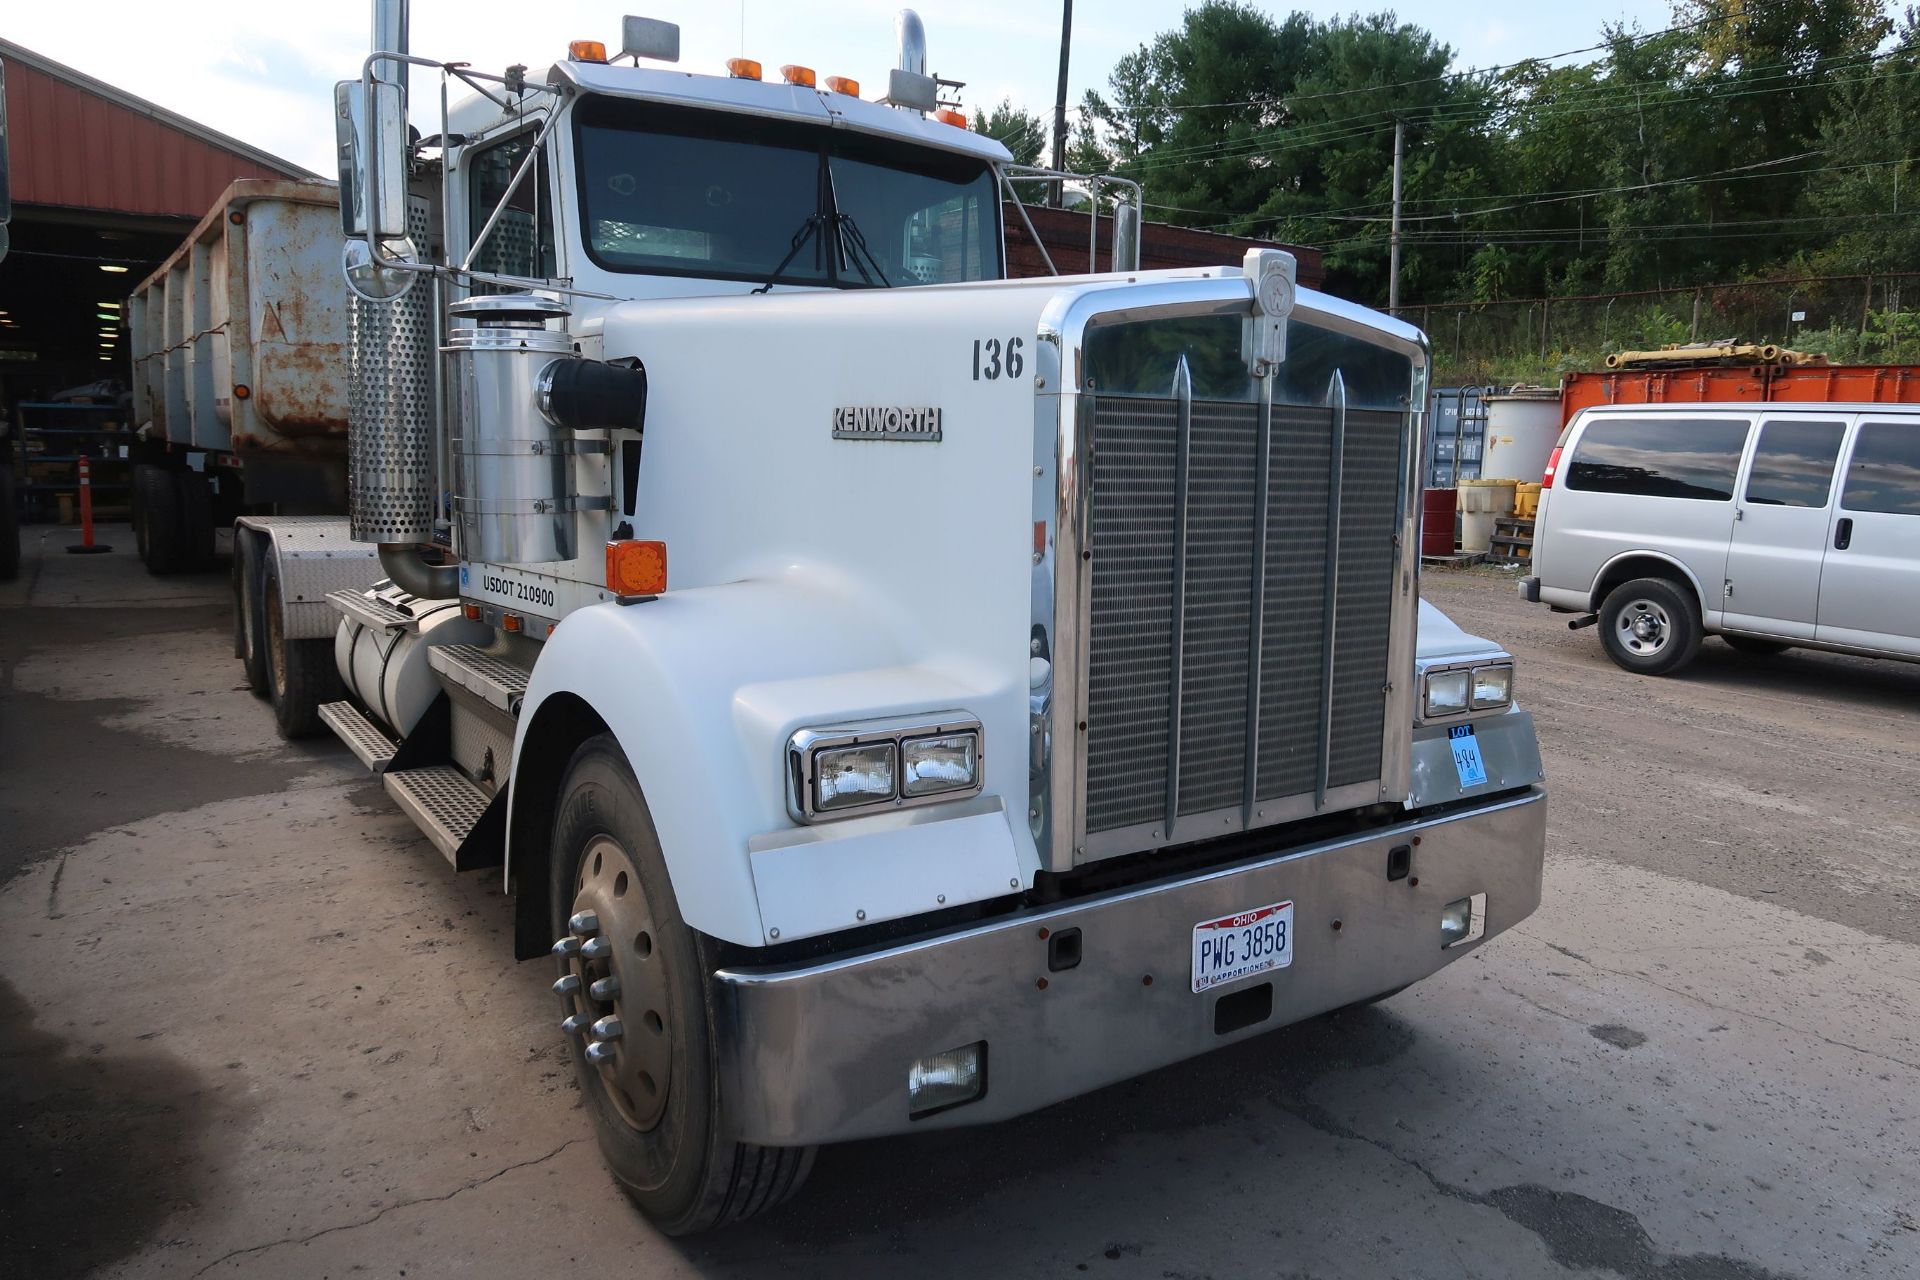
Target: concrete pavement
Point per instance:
(254, 1026)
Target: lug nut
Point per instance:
(584, 923)
(594, 948)
(608, 1028)
(575, 1024)
(600, 1053)
(568, 987)
(566, 947)
(605, 989)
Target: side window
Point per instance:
(1660, 457)
(521, 243)
(1793, 463)
(1885, 472)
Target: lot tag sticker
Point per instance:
(1466, 755)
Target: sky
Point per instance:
(263, 72)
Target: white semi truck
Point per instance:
(911, 697)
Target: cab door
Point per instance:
(1780, 525)
(1870, 582)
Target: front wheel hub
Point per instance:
(618, 1003)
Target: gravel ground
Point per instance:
(251, 1025)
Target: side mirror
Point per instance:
(373, 158)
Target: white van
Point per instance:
(1772, 525)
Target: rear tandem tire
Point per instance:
(160, 533)
(249, 624)
(663, 1140)
(301, 673)
(195, 496)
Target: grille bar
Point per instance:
(1256, 647)
(1182, 495)
(1330, 609)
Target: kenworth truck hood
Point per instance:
(866, 574)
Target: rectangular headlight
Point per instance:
(847, 776)
(1447, 692)
(1492, 686)
(947, 762)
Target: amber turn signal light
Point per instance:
(636, 568)
(743, 68)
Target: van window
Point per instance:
(1885, 472)
(1660, 457)
(1793, 463)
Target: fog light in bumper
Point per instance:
(948, 1079)
(1463, 920)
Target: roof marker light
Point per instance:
(112, 267)
(743, 68)
(587, 51)
(954, 118)
(842, 84)
(794, 73)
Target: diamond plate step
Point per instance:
(444, 805)
(369, 611)
(362, 736)
(495, 681)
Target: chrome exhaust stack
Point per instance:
(392, 407)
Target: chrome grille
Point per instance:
(1204, 557)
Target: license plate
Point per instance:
(1466, 755)
(1239, 946)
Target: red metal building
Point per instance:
(104, 186)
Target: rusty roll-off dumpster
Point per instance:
(239, 343)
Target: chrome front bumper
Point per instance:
(821, 1053)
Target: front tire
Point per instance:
(1650, 626)
(654, 1090)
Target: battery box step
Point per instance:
(463, 821)
(364, 738)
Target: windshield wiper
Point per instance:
(850, 235)
(805, 233)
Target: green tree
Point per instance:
(1017, 129)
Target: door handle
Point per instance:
(1843, 533)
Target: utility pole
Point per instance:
(1060, 104)
(1393, 254)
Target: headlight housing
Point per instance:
(1455, 691)
(844, 770)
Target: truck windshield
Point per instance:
(667, 191)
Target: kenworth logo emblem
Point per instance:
(886, 422)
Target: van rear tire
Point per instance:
(1650, 626)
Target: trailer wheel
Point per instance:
(248, 618)
(643, 1044)
(301, 673)
(1650, 626)
(196, 519)
(9, 524)
(159, 533)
